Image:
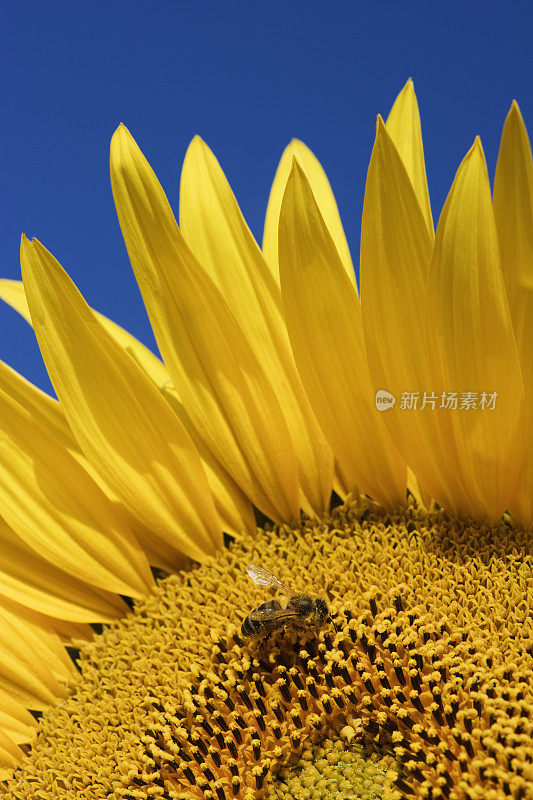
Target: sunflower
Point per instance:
(131, 504)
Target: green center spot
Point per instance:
(337, 769)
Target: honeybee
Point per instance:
(302, 609)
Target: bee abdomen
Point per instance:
(250, 627)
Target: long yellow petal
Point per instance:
(324, 321)
(73, 634)
(423, 499)
(15, 721)
(513, 211)
(58, 510)
(342, 483)
(26, 394)
(41, 405)
(24, 675)
(403, 125)
(12, 292)
(219, 380)
(28, 579)
(47, 412)
(234, 509)
(39, 633)
(215, 229)
(396, 249)
(471, 341)
(123, 425)
(325, 200)
(10, 756)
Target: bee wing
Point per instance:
(263, 577)
(271, 614)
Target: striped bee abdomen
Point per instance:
(259, 620)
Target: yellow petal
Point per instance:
(49, 415)
(325, 200)
(15, 721)
(513, 211)
(73, 634)
(471, 341)
(396, 249)
(24, 675)
(39, 633)
(150, 364)
(403, 125)
(123, 425)
(218, 235)
(219, 380)
(324, 321)
(40, 405)
(58, 510)
(342, 484)
(423, 500)
(234, 509)
(10, 756)
(48, 410)
(12, 292)
(28, 579)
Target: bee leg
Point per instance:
(330, 619)
(273, 629)
(300, 627)
(265, 639)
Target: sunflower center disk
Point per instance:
(427, 658)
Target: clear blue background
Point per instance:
(247, 75)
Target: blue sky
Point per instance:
(247, 75)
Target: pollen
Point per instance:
(418, 685)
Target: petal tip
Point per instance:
(121, 141)
(198, 143)
(296, 174)
(380, 124)
(475, 151)
(198, 152)
(479, 147)
(120, 131)
(27, 243)
(514, 112)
